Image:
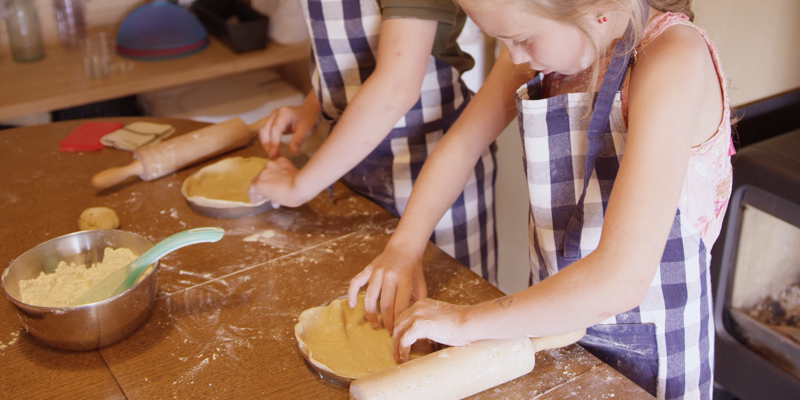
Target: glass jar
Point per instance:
(24, 36)
(70, 22)
(97, 54)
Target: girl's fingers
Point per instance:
(398, 333)
(420, 290)
(276, 132)
(264, 132)
(259, 186)
(255, 192)
(404, 354)
(302, 132)
(356, 283)
(414, 333)
(283, 164)
(402, 324)
(371, 298)
(405, 318)
(253, 195)
(387, 304)
(256, 181)
(402, 299)
(405, 323)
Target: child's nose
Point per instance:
(519, 56)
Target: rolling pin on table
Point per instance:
(459, 372)
(222, 325)
(155, 161)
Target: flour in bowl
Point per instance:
(69, 281)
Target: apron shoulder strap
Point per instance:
(598, 124)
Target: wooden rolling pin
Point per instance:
(459, 372)
(155, 161)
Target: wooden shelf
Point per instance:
(58, 81)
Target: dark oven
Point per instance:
(756, 260)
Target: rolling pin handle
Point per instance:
(113, 176)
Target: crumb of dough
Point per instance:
(98, 218)
(69, 281)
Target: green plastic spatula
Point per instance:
(123, 278)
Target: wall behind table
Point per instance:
(759, 43)
(99, 13)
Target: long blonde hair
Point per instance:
(572, 12)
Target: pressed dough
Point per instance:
(98, 218)
(340, 340)
(224, 184)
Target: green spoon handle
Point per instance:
(168, 245)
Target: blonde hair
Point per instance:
(573, 12)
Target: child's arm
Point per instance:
(390, 91)
(396, 275)
(672, 102)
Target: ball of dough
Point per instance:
(98, 218)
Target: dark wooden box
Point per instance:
(235, 23)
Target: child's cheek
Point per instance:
(587, 58)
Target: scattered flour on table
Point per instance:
(11, 342)
(260, 236)
(173, 212)
(12, 198)
(69, 281)
(278, 239)
(133, 198)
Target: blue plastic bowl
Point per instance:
(160, 26)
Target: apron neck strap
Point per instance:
(598, 125)
(612, 83)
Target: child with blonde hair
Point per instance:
(625, 125)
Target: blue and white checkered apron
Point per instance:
(344, 45)
(666, 343)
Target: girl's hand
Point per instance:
(300, 121)
(429, 319)
(276, 182)
(395, 277)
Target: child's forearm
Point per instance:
(389, 92)
(311, 103)
(581, 295)
(447, 170)
(367, 120)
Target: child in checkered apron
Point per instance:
(387, 76)
(625, 126)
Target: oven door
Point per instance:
(760, 261)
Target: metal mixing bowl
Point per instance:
(89, 326)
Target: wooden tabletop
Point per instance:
(58, 80)
(222, 326)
